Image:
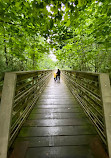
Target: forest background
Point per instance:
(77, 32)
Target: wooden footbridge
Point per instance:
(41, 118)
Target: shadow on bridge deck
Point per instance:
(57, 128)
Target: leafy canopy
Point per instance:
(78, 30)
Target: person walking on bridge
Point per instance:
(58, 75)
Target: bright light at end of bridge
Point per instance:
(52, 56)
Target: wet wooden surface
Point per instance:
(56, 128)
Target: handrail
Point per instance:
(93, 92)
(20, 93)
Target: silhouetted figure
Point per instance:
(58, 75)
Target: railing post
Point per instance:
(106, 100)
(5, 111)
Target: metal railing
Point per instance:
(20, 93)
(93, 92)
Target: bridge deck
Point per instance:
(56, 128)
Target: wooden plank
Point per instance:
(57, 140)
(5, 112)
(56, 115)
(57, 122)
(106, 99)
(60, 152)
(58, 130)
(19, 150)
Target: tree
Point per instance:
(79, 30)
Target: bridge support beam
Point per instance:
(106, 99)
(5, 112)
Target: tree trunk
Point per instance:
(34, 61)
(5, 52)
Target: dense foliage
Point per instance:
(78, 31)
(89, 43)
